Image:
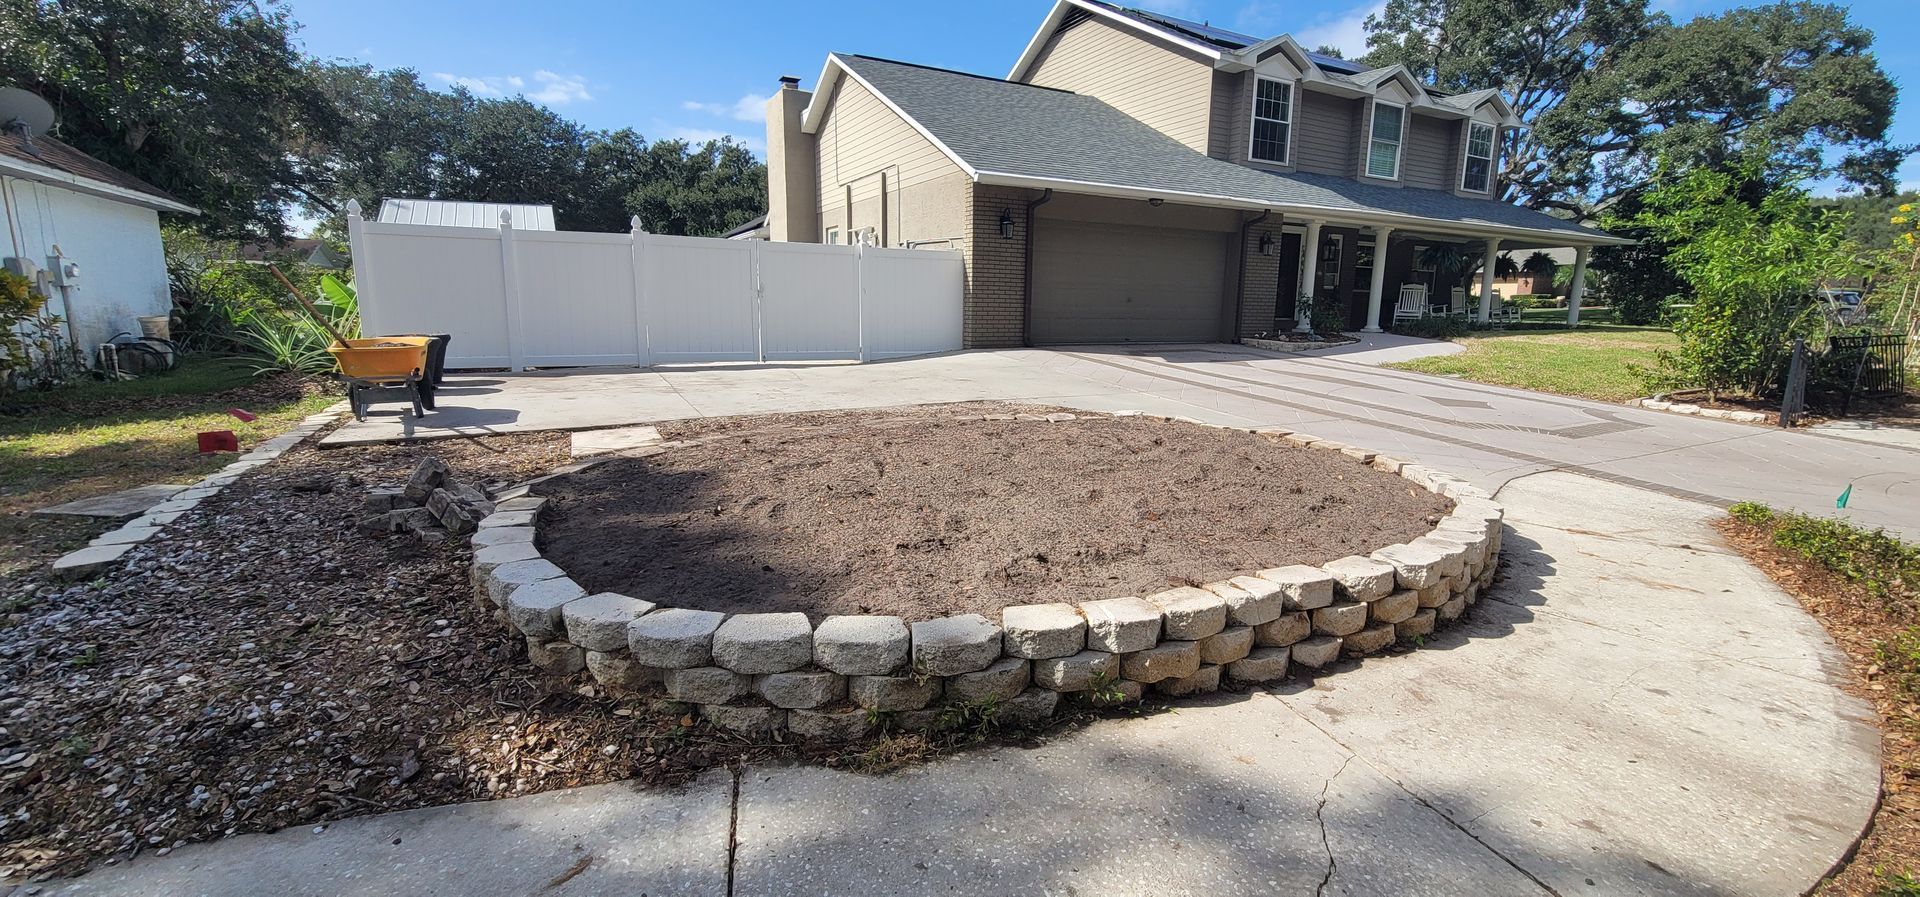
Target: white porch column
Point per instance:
(1486, 279)
(1577, 290)
(1309, 277)
(1381, 235)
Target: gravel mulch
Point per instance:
(927, 513)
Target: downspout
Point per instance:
(1026, 279)
(1240, 276)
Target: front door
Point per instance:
(1286, 302)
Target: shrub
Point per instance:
(1433, 328)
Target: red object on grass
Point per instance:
(218, 441)
(243, 414)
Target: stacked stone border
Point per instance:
(1660, 403)
(762, 672)
(109, 547)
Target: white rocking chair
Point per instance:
(1412, 305)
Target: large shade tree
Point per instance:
(1607, 86)
(203, 98)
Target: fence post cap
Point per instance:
(353, 207)
(634, 223)
(506, 218)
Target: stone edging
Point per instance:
(1659, 404)
(108, 548)
(756, 673)
(1280, 345)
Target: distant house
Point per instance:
(305, 250)
(1527, 283)
(751, 230)
(459, 213)
(87, 233)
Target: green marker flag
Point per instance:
(1841, 502)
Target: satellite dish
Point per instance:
(26, 108)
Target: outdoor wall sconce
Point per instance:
(1266, 243)
(1006, 225)
(1155, 202)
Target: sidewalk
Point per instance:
(1633, 710)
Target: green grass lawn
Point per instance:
(1597, 361)
(96, 437)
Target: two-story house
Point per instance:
(1138, 177)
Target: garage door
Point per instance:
(1105, 283)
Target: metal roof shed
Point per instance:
(459, 213)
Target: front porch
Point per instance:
(1427, 272)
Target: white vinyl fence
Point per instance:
(521, 298)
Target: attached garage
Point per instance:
(1109, 283)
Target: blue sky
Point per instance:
(700, 70)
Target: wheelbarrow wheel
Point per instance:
(427, 389)
(357, 398)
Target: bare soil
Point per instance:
(1859, 623)
(932, 513)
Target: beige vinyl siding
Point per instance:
(1327, 136)
(865, 148)
(1427, 159)
(1145, 77)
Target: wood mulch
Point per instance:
(1858, 623)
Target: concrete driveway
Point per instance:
(1632, 710)
(1486, 433)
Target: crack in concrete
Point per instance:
(1411, 795)
(733, 828)
(1319, 816)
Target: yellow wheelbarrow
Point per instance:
(376, 365)
(371, 366)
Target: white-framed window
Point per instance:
(1384, 139)
(1476, 173)
(1272, 139)
(833, 236)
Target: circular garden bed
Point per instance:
(829, 574)
(925, 517)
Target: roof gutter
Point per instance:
(1026, 277)
(1338, 217)
(79, 184)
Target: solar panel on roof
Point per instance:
(1335, 63)
(1201, 30)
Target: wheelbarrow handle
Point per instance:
(309, 306)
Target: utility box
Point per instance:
(23, 267)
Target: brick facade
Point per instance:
(996, 267)
(1260, 281)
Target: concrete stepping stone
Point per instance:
(619, 439)
(125, 503)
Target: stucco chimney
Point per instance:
(793, 196)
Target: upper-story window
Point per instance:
(1478, 174)
(1272, 120)
(1383, 152)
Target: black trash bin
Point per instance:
(436, 371)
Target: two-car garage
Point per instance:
(1105, 282)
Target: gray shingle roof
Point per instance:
(1006, 128)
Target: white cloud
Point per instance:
(548, 88)
(696, 136)
(558, 90)
(1345, 31)
(751, 107)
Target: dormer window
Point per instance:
(1477, 177)
(1383, 149)
(1272, 121)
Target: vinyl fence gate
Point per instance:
(520, 298)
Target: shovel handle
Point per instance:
(309, 306)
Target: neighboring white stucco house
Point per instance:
(88, 232)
